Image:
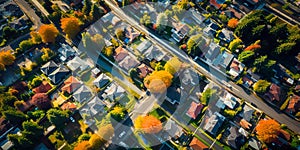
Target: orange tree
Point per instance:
(48, 33)
(84, 145)
(70, 26)
(267, 130)
(148, 124)
(232, 23)
(6, 58)
(158, 81)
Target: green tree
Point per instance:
(33, 129)
(259, 31)
(246, 56)
(173, 65)
(120, 33)
(146, 19)
(14, 117)
(285, 48)
(57, 117)
(84, 137)
(261, 86)
(263, 65)
(35, 37)
(279, 31)
(96, 12)
(193, 44)
(233, 45)
(35, 82)
(161, 22)
(87, 6)
(208, 95)
(118, 113)
(9, 33)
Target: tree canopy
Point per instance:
(267, 130)
(173, 65)
(246, 56)
(57, 117)
(106, 131)
(261, 86)
(207, 95)
(232, 23)
(148, 124)
(6, 58)
(233, 45)
(158, 81)
(48, 33)
(70, 26)
(161, 22)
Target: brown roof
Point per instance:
(235, 65)
(245, 124)
(68, 106)
(197, 145)
(143, 70)
(294, 104)
(194, 110)
(284, 134)
(246, 79)
(43, 88)
(71, 84)
(121, 53)
(274, 93)
(41, 100)
(20, 86)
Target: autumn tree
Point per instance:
(253, 47)
(148, 124)
(47, 54)
(233, 45)
(183, 4)
(267, 130)
(96, 142)
(70, 26)
(118, 113)
(106, 131)
(173, 65)
(158, 81)
(146, 19)
(232, 23)
(48, 33)
(41, 100)
(6, 58)
(83, 145)
(120, 34)
(261, 86)
(35, 37)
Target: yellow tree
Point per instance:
(48, 33)
(232, 23)
(84, 145)
(70, 26)
(173, 65)
(96, 142)
(35, 37)
(158, 81)
(267, 130)
(6, 58)
(106, 131)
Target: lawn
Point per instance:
(158, 113)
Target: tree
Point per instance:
(32, 130)
(84, 137)
(233, 45)
(207, 95)
(161, 22)
(25, 45)
(246, 56)
(47, 54)
(9, 33)
(253, 47)
(41, 100)
(86, 9)
(183, 4)
(259, 31)
(35, 37)
(96, 142)
(96, 12)
(173, 65)
(285, 48)
(118, 113)
(158, 81)
(48, 33)
(148, 124)
(57, 117)
(146, 19)
(14, 117)
(267, 130)
(106, 131)
(70, 26)
(120, 33)
(232, 23)
(84, 145)
(279, 31)
(108, 52)
(6, 58)
(192, 44)
(261, 86)
(263, 65)
(35, 82)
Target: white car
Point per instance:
(122, 134)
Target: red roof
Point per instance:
(294, 104)
(71, 84)
(68, 106)
(197, 145)
(215, 3)
(121, 53)
(43, 88)
(194, 110)
(274, 93)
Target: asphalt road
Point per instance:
(30, 13)
(280, 117)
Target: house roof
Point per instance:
(247, 81)
(41, 100)
(226, 35)
(71, 84)
(284, 134)
(213, 51)
(95, 71)
(223, 60)
(110, 17)
(154, 52)
(235, 139)
(229, 100)
(172, 128)
(294, 104)
(213, 123)
(245, 124)
(197, 145)
(189, 77)
(173, 94)
(77, 64)
(143, 46)
(143, 70)
(216, 3)
(66, 50)
(82, 94)
(101, 80)
(131, 33)
(274, 93)
(43, 88)
(194, 110)
(58, 74)
(4, 125)
(247, 113)
(128, 63)
(49, 67)
(120, 54)
(254, 143)
(68, 106)
(113, 91)
(93, 107)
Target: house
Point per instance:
(211, 29)
(142, 47)
(253, 76)
(130, 34)
(71, 85)
(6, 144)
(59, 74)
(41, 100)
(274, 94)
(102, 80)
(179, 31)
(189, 77)
(281, 74)
(235, 139)
(254, 143)
(82, 94)
(59, 100)
(197, 145)
(294, 105)
(216, 3)
(194, 110)
(154, 53)
(223, 60)
(128, 63)
(173, 95)
(19, 24)
(247, 113)
(173, 130)
(213, 123)
(163, 3)
(247, 81)
(248, 5)
(113, 92)
(236, 68)
(5, 127)
(233, 12)
(226, 35)
(197, 17)
(66, 52)
(49, 67)
(228, 99)
(95, 72)
(110, 18)
(120, 53)
(69, 106)
(93, 107)
(212, 53)
(43, 88)
(77, 64)
(143, 70)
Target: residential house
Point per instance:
(19, 24)
(254, 143)
(213, 51)
(275, 94)
(6, 144)
(66, 52)
(82, 94)
(143, 70)
(281, 74)
(247, 113)
(226, 35)
(43, 88)
(189, 78)
(294, 105)
(71, 85)
(236, 68)
(120, 53)
(154, 53)
(95, 72)
(113, 92)
(223, 60)
(173, 130)
(59, 74)
(77, 64)
(216, 3)
(142, 47)
(194, 110)
(49, 67)
(173, 95)
(102, 80)
(197, 145)
(211, 29)
(93, 107)
(163, 3)
(213, 123)
(179, 31)
(247, 81)
(5, 127)
(69, 106)
(253, 76)
(248, 5)
(197, 17)
(128, 63)
(227, 99)
(235, 139)
(233, 12)
(110, 19)
(130, 34)
(58, 100)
